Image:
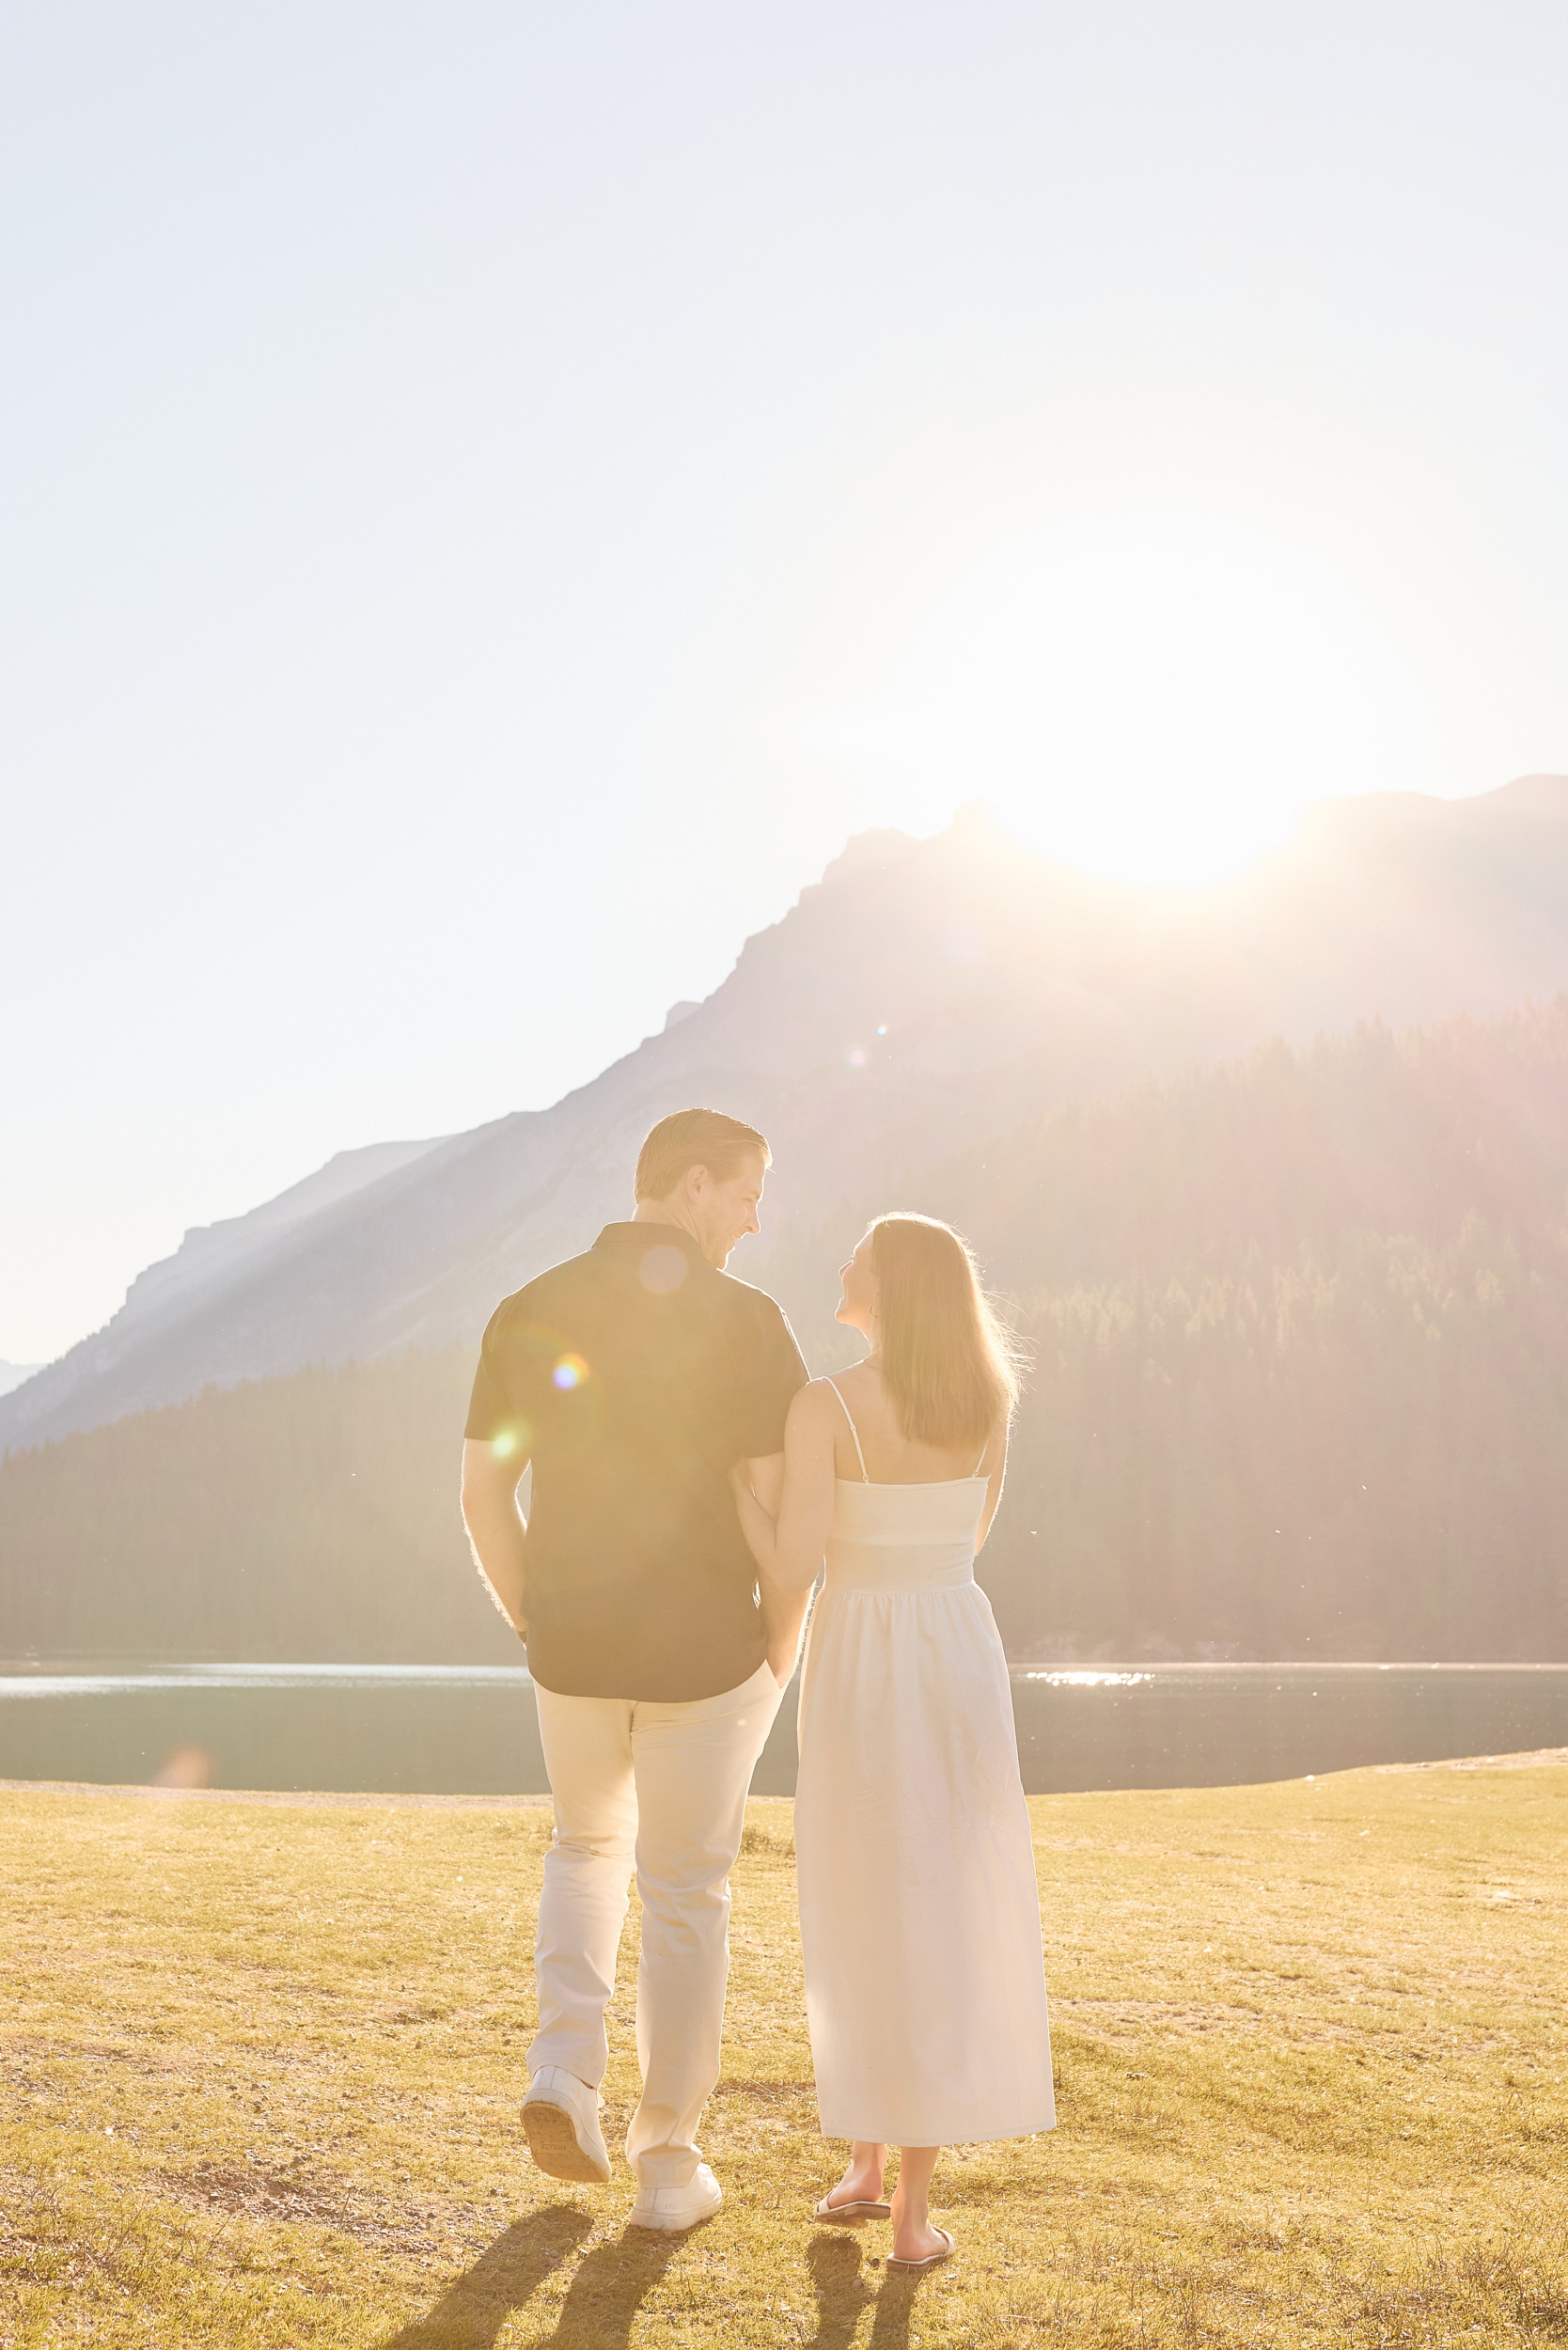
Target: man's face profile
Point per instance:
(725, 1211)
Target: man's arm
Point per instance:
(783, 1612)
(497, 1530)
(787, 1522)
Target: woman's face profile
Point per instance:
(858, 1302)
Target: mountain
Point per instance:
(214, 1257)
(923, 992)
(1300, 1340)
(1299, 1330)
(12, 1374)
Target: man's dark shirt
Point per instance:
(634, 1376)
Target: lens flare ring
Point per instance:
(663, 1269)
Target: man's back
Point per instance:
(633, 1376)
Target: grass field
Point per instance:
(263, 2059)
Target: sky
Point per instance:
(492, 498)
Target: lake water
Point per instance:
(472, 1731)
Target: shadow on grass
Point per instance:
(895, 2305)
(842, 2292)
(839, 2284)
(473, 2310)
(607, 2288)
(611, 2284)
(610, 2287)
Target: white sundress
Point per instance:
(920, 1910)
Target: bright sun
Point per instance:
(1152, 698)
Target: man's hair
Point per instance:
(688, 1138)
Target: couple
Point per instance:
(689, 1483)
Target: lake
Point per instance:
(408, 1729)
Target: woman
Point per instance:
(919, 1915)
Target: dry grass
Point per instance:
(263, 2061)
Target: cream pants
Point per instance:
(663, 1787)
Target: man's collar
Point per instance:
(645, 1236)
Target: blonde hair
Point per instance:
(950, 1369)
(688, 1138)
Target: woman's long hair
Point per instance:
(950, 1368)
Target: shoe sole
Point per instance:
(553, 2143)
(676, 2227)
(932, 2260)
(849, 2215)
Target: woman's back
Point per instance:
(918, 1913)
(910, 1533)
(883, 1454)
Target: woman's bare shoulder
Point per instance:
(816, 1396)
(858, 1391)
(810, 1406)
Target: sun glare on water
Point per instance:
(1150, 699)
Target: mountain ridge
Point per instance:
(1297, 1340)
(957, 985)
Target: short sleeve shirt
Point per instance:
(632, 1377)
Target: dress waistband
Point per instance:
(888, 1567)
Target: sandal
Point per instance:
(851, 2214)
(907, 2268)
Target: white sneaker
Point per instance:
(560, 2114)
(673, 2208)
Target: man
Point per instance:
(634, 1377)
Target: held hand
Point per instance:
(745, 1501)
(756, 1524)
(784, 1619)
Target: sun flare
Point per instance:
(1150, 697)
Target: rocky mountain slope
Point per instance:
(922, 995)
(1297, 1330)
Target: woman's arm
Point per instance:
(783, 1612)
(788, 1549)
(996, 1453)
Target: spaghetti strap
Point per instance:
(981, 1462)
(854, 1431)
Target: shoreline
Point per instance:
(1534, 1758)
